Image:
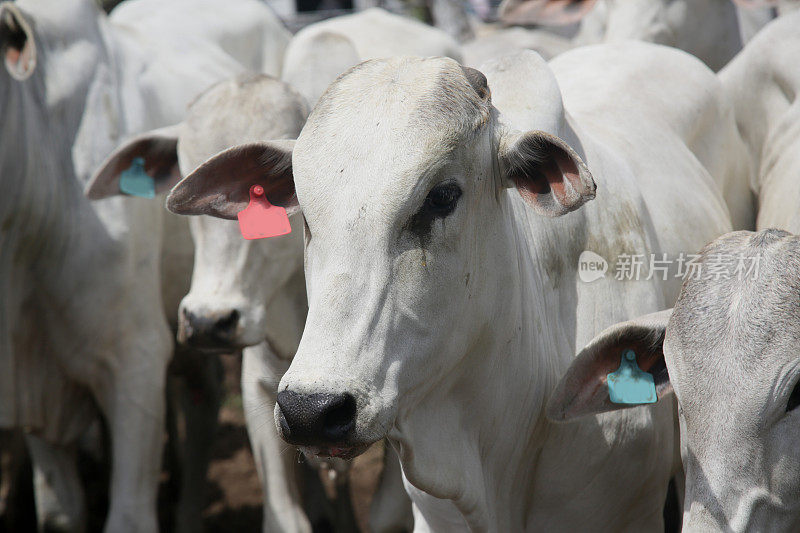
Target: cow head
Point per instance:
(730, 346)
(234, 279)
(403, 173)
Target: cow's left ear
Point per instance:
(17, 44)
(157, 151)
(584, 388)
(220, 187)
(549, 175)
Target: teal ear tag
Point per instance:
(630, 384)
(135, 181)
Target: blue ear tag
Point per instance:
(629, 384)
(135, 181)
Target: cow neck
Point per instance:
(492, 413)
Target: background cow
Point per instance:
(730, 348)
(82, 319)
(712, 30)
(763, 82)
(320, 52)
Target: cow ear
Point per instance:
(543, 12)
(546, 171)
(156, 150)
(16, 42)
(583, 390)
(220, 187)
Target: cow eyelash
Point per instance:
(794, 398)
(442, 199)
(439, 203)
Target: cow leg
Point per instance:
(13, 466)
(275, 460)
(199, 391)
(132, 400)
(60, 504)
(390, 511)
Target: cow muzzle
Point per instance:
(216, 331)
(324, 423)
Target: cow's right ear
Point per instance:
(543, 12)
(549, 175)
(220, 187)
(16, 42)
(583, 390)
(158, 151)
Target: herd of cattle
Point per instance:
(429, 295)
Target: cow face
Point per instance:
(234, 280)
(401, 173)
(730, 347)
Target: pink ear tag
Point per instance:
(260, 219)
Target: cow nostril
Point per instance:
(318, 418)
(340, 417)
(228, 322)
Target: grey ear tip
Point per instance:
(172, 203)
(92, 192)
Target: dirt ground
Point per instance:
(234, 492)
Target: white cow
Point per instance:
(444, 224)
(82, 319)
(257, 303)
(320, 52)
(712, 30)
(506, 41)
(730, 348)
(763, 82)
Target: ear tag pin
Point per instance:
(629, 384)
(134, 181)
(260, 219)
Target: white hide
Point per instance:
(507, 41)
(320, 52)
(763, 82)
(712, 30)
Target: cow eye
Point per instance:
(794, 398)
(440, 202)
(443, 199)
